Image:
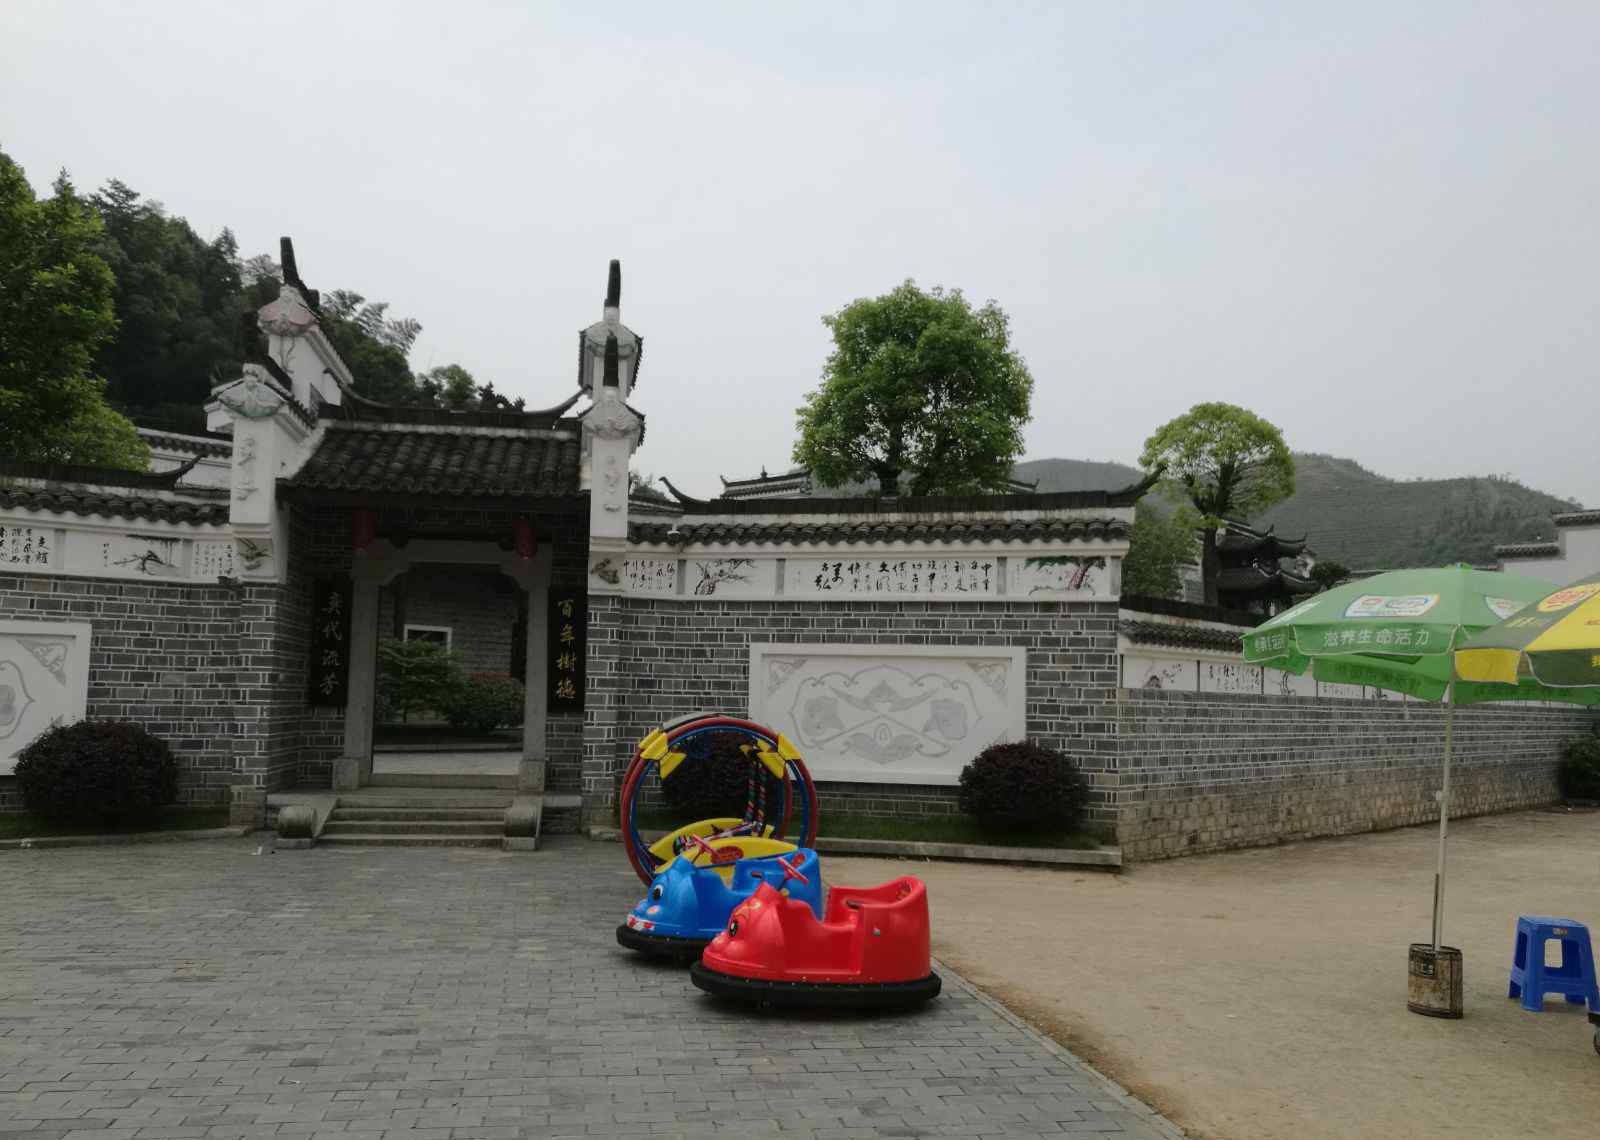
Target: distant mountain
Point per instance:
(1076, 474)
(1362, 519)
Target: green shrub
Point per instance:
(1023, 785)
(415, 676)
(97, 772)
(1580, 769)
(715, 778)
(484, 702)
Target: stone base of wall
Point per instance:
(1210, 772)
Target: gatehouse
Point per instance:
(237, 599)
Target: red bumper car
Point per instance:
(870, 949)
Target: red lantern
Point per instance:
(527, 541)
(363, 528)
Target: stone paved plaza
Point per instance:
(206, 990)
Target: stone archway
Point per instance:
(383, 562)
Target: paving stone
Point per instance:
(159, 992)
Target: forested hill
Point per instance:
(1364, 520)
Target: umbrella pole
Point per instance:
(1444, 812)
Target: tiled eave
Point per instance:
(1138, 632)
(1528, 550)
(1577, 518)
(194, 506)
(368, 462)
(688, 531)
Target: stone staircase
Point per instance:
(418, 817)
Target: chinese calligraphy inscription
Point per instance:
(328, 672)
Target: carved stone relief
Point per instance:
(44, 680)
(882, 714)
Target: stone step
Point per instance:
(440, 780)
(421, 798)
(413, 827)
(473, 839)
(344, 814)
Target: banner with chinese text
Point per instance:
(328, 675)
(569, 623)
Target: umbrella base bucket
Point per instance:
(1433, 982)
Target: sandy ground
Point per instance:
(1260, 995)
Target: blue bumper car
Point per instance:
(690, 898)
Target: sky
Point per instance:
(1374, 224)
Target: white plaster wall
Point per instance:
(44, 680)
(135, 549)
(890, 714)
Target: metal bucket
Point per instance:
(1433, 984)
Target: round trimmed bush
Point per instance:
(1579, 773)
(715, 778)
(1023, 785)
(97, 772)
(483, 703)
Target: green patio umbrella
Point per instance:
(1399, 631)
(1555, 642)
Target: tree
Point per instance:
(920, 384)
(56, 311)
(1161, 543)
(644, 487)
(1327, 573)
(177, 305)
(1228, 462)
(448, 386)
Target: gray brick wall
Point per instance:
(169, 656)
(1206, 772)
(652, 659)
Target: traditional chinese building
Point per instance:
(1252, 577)
(237, 598)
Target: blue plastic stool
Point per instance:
(1574, 979)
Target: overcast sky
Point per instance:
(1373, 224)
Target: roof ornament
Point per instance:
(614, 290)
(686, 500)
(291, 273)
(611, 380)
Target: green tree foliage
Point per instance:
(1160, 544)
(449, 386)
(177, 305)
(56, 311)
(1228, 462)
(1327, 573)
(919, 383)
(416, 676)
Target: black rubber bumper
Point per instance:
(815, 995)
(668, 946)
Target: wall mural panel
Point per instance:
(890, 714)
(891, 576)
(1051, 577)
(44, 680)
(119, 549)
(1172, 674)
(650, 575)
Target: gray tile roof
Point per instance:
(800, 530)
(1180, 636)
(461, 462)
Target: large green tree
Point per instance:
(921, 385)
(56, 310)
(1227, 462)
(177, 304)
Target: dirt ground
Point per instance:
(1261, 995)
